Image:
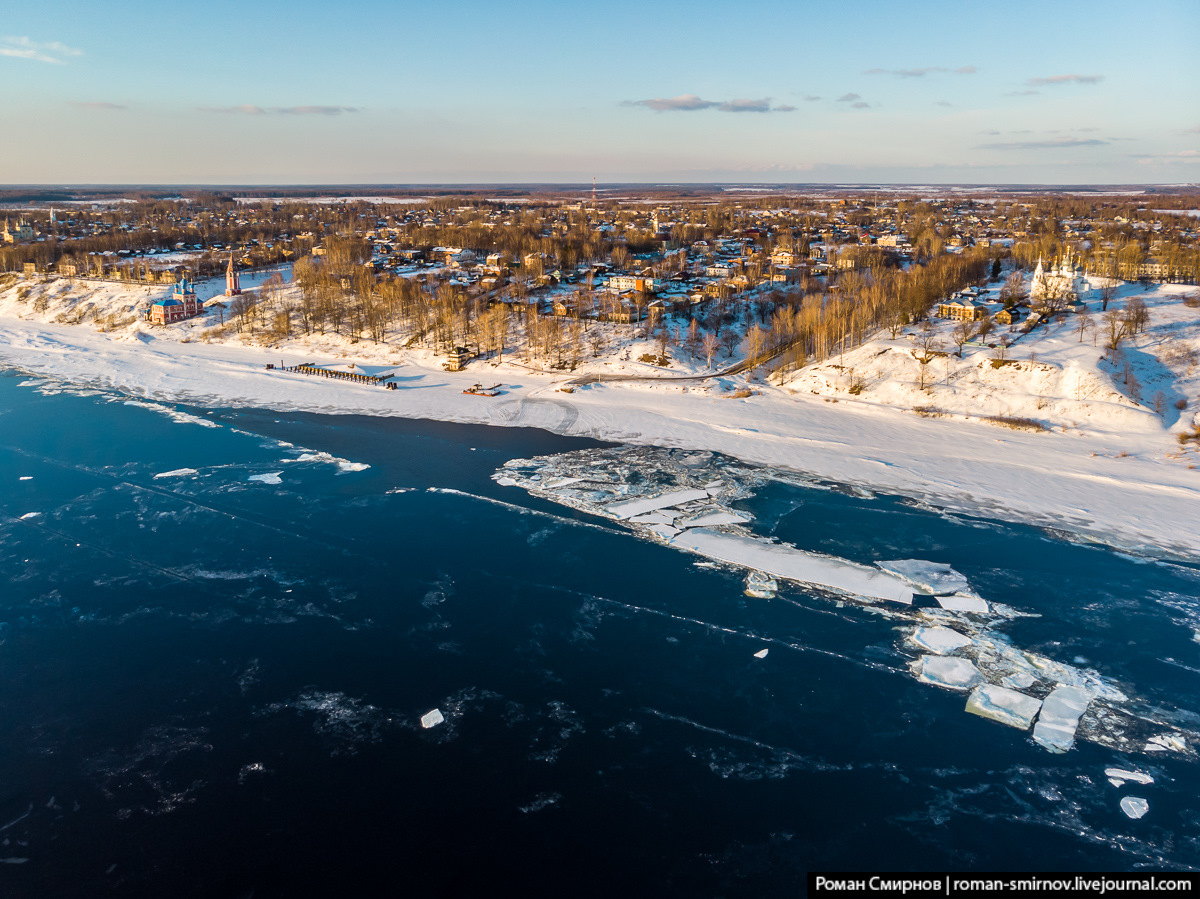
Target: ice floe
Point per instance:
(25, 477)
(1059, 718)
(938, 640)
(176, 473)
(937, 578)
(267, 477)
(949, 672)
(432, 718)
(29, 515)
(1118, 776)
(962, 602)
(761, 654)
(1003, 705)
(781, 560)
(1134, 806)
(761, 585)
(1166, 743)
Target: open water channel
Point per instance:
(220, 629)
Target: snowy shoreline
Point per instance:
(1113, 488)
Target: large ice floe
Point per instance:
(684, 499)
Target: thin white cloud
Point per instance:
(921, 72)
(1055, 144)
(692, 103)
(48, 51)
(763, 105)
(94, 104)
(249, 109)
(1179, 154)
(1065, 79)
(682, 103)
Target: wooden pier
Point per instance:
(307, 368)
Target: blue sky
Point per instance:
(305, 92)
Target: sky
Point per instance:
(363, 92)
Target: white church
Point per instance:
(1055, 283)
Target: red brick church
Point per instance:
(181, 304)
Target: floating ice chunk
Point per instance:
(949, 672)
(1134, 806)
(761, 654)
(1061, 711)
(29, 515)
(177, 473)
(270, 477)
(1118, 776)
(432, 719)
(643, 504)
(560, 482)
(1019, 680)
(506, 482)
(1003, 705)
(936, 577)
(343, 465)
(761, 585)
(962, 602)
(939, 640)
(1165, 743)
(781, 560)
(25, 477)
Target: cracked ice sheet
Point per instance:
(1061, 711)
(1003, 705)
(713, 519)
(781, 560)
(642, 505)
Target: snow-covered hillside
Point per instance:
(1058, 376)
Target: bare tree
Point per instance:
(1108, 292)
(986, 326)
(1085, 323)
(710, 343)
(1014, 290)
(1114, 331)
(962, 332)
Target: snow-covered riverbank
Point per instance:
(1130, 489)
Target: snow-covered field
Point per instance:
(1106, 467)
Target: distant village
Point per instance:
(434, 268)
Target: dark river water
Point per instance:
(213, 681)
